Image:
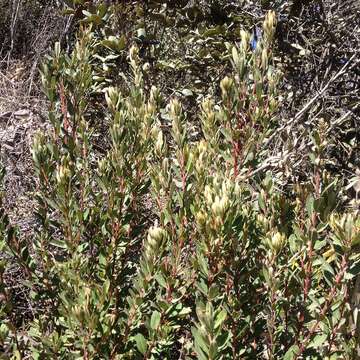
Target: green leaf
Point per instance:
(58, 243)
(224, 339)
(218, 30)
(200, 353)
(201, 285)
(161, 280)
(115, 43)
(213, 292)
(86, 214)
(106, 286)
(155, 320)
(141, 343)
(213, 350)
(261, 202)
(318, 341)
(310, 205)
(319, 244)
(220, 318)
(354, 269)
(290, 354)
(199, 340)
(265, 273)
(184, 311)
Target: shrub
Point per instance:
(165, 246)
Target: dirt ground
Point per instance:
(22, 114)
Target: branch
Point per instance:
(273, 161)
(290, 123)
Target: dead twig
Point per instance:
(12, 28)
(276, 161)
(290, 123)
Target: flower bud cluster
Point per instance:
(346, 228)
(219, 207)
(201, 163)
(175, 114)
(152, 104)
(63, 173)
(275, 241)
(201, 219)
(102, 165)
(155, 95)
(159, 142)
(134, 62)
(175, 108)
(245, 40)
(264, 59)
(239, 59)
(145, 117)
(155, 239)
(227, 87)
(217, 198)
(278, 241)
(208, 118)
(163, 176)
(241, 55)
(118, 126)
(208, 109)
(38, 147)
(112, 97)
(80, 312)
(134, 55)
(269, 26)
(263, 221)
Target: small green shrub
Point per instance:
(166, 247)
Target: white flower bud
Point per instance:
(278, 241)
(134, 53)
(245, 39)
(155, 237)
(226, 86)
(175, 107)
(102, 165)
(159, 143)
(146, 67)
(264, 59)
(62, 174)
(200, 218)
(208, 195)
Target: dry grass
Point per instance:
(29, 29)
(22, 112)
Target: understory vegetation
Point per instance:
(195, 184)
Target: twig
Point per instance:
(289, 124)
(12, 30)
(276, 160)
